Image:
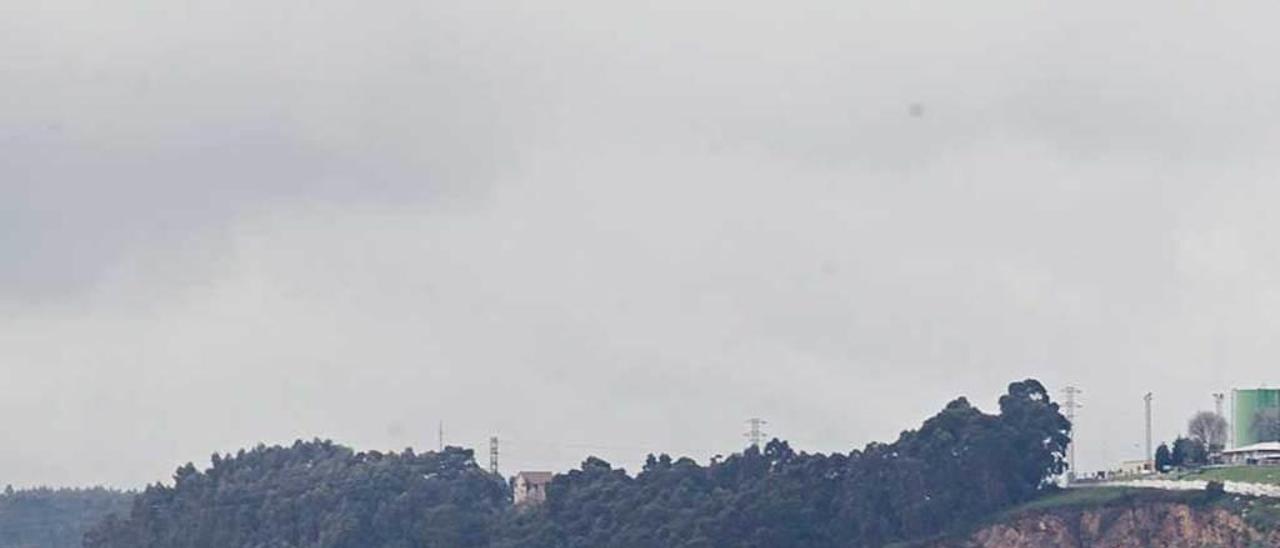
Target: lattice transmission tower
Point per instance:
(1070, 403)
(755, 434)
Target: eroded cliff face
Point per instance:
(1163, 525)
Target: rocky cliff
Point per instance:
(1158, 525)
(1132, 522)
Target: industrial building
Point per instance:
(1251, 409)
(1267, 452)
(1131, 468)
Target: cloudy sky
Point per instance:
(611, 228)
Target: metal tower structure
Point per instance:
(1149, 456)
(1231, 426)
(440, 436)
(493, 454)
(1071, 404)
(755, 435)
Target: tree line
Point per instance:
(957, 467)
(55, 518)
(1206, 435)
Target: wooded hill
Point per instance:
(55, 518)
(959, 466)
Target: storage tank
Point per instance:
(1247, 407)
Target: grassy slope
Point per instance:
(1074, 498)
(1248, 474)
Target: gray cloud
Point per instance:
(615, 229)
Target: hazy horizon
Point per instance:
(620, 229)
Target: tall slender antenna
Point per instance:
(440, 437)
(1149, 456)
(755, 435)
(1231, 426)
(1070, 404)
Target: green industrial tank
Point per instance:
(1249, 407)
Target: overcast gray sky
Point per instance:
(611, 228)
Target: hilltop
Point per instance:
(958, 467)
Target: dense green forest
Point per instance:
(959, 466)
(55, 518)
(315, 494)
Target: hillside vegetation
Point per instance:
(958, 467)
(315, 494)
(55, 518)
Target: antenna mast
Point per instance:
(1070, 404)
(1149, 456)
